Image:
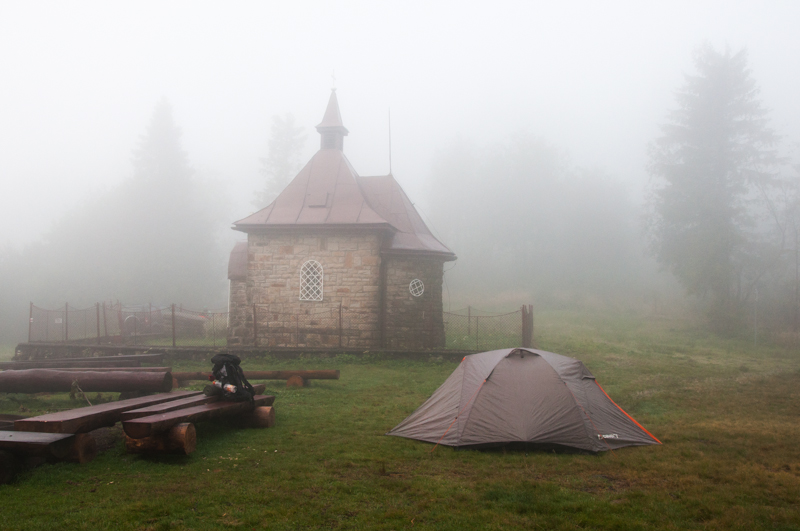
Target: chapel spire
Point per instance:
(331, 128)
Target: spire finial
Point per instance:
(333, 80)
(331, 128)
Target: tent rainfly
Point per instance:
(523, 396)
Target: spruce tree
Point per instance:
(713, 165)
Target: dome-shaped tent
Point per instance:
(523, 396)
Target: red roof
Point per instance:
(325, 192)
(328, 193)
(388, 199)
(237, 263)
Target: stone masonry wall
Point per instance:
(238, 328)
(414, 322)
(351, 263)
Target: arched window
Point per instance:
(311, 281)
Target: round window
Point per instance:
(416, 287)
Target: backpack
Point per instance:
(227, 371)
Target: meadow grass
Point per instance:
(725, 410)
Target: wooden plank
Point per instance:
(166, 407)
(90, 418)
(183, 403)
(148, 426)
(30, 442)
(78, 447)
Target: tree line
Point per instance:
(721, 218)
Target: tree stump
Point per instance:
(180, 439)
(296, 381)
(81, 448)
(261, 417)
(84, 448)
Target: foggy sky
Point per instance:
(80, 81)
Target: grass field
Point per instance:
(727, 413)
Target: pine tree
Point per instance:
(283, 161)
(714, 165)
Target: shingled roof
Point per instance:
(329, 193)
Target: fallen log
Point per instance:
(131, 360)
(52, 381)
(90, 418)
(265, 375)
(147, 426)
(103, 369)
(260, 417)
(180, 439)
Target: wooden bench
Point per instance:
(169, 430)
(90, 418)
(79, 447)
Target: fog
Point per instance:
(80, 82)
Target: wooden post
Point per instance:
(255, 326)
(149, 317)
(530, 325)
(340, 325)
(477, 321)
(30, 323)
(66, 321)
(97, 313)
(105, 322)
(173, 324)
(469, 321)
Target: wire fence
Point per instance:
(113, 323)
(474, 329)
(333, 327)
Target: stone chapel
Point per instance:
(336, 251)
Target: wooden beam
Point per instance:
(148, 426)
(90, 418)
(53, 381)
(132, 360)
(80, 447)
(265, 375)
(166, 407)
